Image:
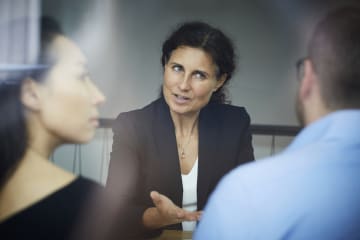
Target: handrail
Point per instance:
(256, 129)
(274, 130)
(106, 122)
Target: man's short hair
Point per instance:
(334, 50)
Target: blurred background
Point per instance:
(122, 40)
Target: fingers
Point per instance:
(192, 216)
(170, 212)
(165, 206)
(154, 194)
(156, 197)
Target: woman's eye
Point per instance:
(177, 68)
(199, 75)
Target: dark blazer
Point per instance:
(145, 150)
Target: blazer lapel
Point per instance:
(208, 153)
(165, 142)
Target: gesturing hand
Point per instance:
(168, 213)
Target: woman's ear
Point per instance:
(30, 94)
(220, 82)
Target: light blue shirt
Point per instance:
(310, 191)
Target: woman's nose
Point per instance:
(185, 83)
(98, 96)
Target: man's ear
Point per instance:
(308, 82)
(220, 82)
(30, 94)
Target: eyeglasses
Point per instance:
(300, 68)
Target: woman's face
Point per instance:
(189, 80)
(68, 99)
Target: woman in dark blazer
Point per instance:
(175, 150)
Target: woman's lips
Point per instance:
(181, 99)
(94, 122)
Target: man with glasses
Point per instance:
(312, 189)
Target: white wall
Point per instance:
(123, 38)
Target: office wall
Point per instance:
(123, 38)
(123, 42)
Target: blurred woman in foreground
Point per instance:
(42, 107)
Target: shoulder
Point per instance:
(138, 112)
(82, 186)
(271, 174)
(137, 116)
(79, 193)
(226, 115)
(227, 110)
(85, 182)
(259, 172)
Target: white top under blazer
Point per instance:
(189, 202)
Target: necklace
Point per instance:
(183, 146)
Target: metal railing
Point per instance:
(256, 129)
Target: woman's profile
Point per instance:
(43, 107)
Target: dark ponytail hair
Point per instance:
(13, 133)
(212, 41)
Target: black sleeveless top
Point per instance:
(54, 217)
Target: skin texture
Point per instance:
(66, 103)
(189, 80)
